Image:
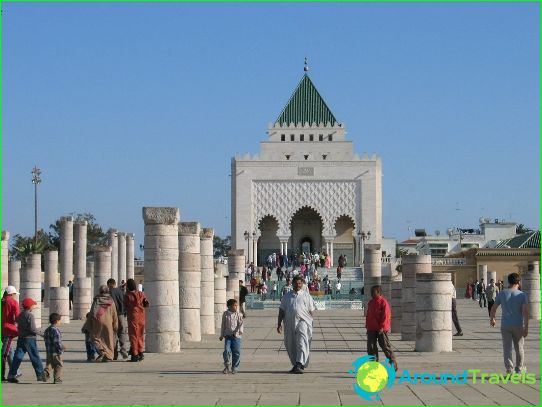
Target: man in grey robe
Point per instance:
(296, 308)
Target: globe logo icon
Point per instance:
(372, 377)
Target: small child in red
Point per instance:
(378, 323)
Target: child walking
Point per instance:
(54, 348)
(92, 352)
(26, 342)
(231, 330)
(378, 324)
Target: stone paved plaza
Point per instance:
(193, 377)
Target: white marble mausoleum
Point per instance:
(307, 190)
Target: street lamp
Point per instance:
(36, 179)
(362, 237)
(247, 235)
(254, 248)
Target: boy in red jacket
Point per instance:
(378, 323)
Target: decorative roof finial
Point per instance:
(306, 67)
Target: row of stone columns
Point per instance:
(122, 255)
(185, 291)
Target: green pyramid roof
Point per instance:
(306, 106)
(530, 240)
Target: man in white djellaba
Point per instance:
(296, 310)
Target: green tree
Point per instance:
(26, 245)
(222, 246)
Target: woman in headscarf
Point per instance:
(103, 324)
(135, 303)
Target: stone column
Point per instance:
(207, 282)
(80, 253)
(59, 302)
(255, 247)
(372, 271)
(5, 258)
(102, 267)
(161, 273)
(82, 297)
(130, 253)
(331, 251)
(491, 275)
(31, 284)
(530, 284)
(66, 250)
(113, 242)
(482, 272)
(236, 272)
(50, 266)
(15, 274)
(396, 300)
(189, 281)
(433, 312)
(121, 259)
(90, 274)
(220, 293)
(412, 264)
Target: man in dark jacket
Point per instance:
(243, 292)
(122, 333)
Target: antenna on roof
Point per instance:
(306, 67)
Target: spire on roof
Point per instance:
(306, 106)
(306, 67)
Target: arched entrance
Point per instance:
(306, 231)
(268, 242)
(344, 242)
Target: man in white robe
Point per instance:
(296, 308)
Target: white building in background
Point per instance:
(307, 190)
(489, 233)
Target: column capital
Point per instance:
(157, 215)
(283, 238)
(329, 239)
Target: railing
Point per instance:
(448, 262)
(138, 263)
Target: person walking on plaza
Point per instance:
(89, 345)
(296, 310)
(455, 319)
(26, 324)
(491, 293)
(10, 312)
(104, 325)
(135, 303)
(54, 349)
(338, 289)
(482, 293)
(274, 291)
(243, 292)
(514, 322)
(287, 288)
(475, 290)
(117, 294)
(231, 331)
(378, 324)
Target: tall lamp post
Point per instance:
(254, 254)
(362, 237)
(36, 179)
(247, 235)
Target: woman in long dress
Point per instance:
(135, 303)
(103, 324)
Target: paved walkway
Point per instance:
(193, 377)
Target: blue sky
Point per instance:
(131, 105)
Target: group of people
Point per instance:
(116, 319)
